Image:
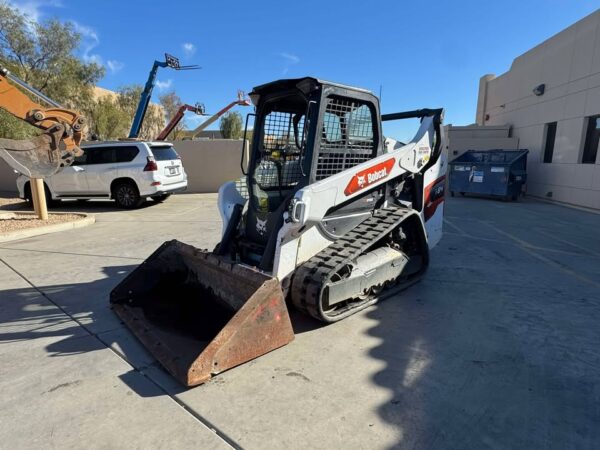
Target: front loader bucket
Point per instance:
(200, 315)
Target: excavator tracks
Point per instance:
(310, 277)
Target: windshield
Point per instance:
(164, 152)
(277, 168)
(279, 165)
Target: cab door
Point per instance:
(71, 181)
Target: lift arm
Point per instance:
(311, 203)
(197, 109)
(140, 114)
(43, 155)
(241, 101)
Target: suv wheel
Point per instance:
(126, 195)
(49, 200)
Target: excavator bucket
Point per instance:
(200, 315)
(41, 156)
(37, 157)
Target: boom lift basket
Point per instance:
(199, 314)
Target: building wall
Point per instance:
(475, 137)
(569, 66)
(208, 164)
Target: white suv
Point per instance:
(126, 171)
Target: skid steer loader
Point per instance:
(330, 217)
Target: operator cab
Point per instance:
(305, 130)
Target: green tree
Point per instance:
(231, 125)
(128, 99)
(108, 120)
(43, 55)
(171, 104)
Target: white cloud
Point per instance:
(33, 9)
(90, 41)
(188, 48)
(114, 66)
(164, 85)
(289, 60)
(292, 59)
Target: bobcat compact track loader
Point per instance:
(330, 216)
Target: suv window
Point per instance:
(107, 155)
(81, 160)
(164, 152)
(126, 154)
(102, 155)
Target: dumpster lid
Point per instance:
(496, 156)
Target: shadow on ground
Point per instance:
(93, 206)
(488, 354)
(63, 314)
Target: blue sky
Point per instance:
(423, 54)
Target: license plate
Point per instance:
(173, 170)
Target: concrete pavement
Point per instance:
(498, 347)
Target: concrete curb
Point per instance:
(88, 219)
(564, 204)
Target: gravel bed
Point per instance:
(15, 221)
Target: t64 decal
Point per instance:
(434, 195)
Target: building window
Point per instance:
(549, 145)
(592, 137)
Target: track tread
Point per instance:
(311, 276)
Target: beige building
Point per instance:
(550, 99)
(475, 137)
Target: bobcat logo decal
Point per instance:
(261, 226)
(372, 175)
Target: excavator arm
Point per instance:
(46, 154)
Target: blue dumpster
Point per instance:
(499, 173)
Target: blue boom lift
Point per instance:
(170, 61)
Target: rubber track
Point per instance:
(311, 276)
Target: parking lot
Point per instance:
(497, 347)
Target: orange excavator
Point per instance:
(58, 145)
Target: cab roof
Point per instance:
(305, 84)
